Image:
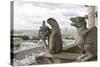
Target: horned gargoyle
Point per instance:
(87, 38)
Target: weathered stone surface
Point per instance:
(87, 38)
(72, 48)
(55, 40)
(21, 54)
(64, 55)
(44, 33)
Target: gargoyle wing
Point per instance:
(91, 36)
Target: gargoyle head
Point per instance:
(78, 21)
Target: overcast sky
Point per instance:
(29, 15)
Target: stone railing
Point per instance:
(18, 55)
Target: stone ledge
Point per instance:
(63, 55)
(72, 48)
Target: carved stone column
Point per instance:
(91, 16)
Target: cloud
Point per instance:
(29, 15)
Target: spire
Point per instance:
(43, 23)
